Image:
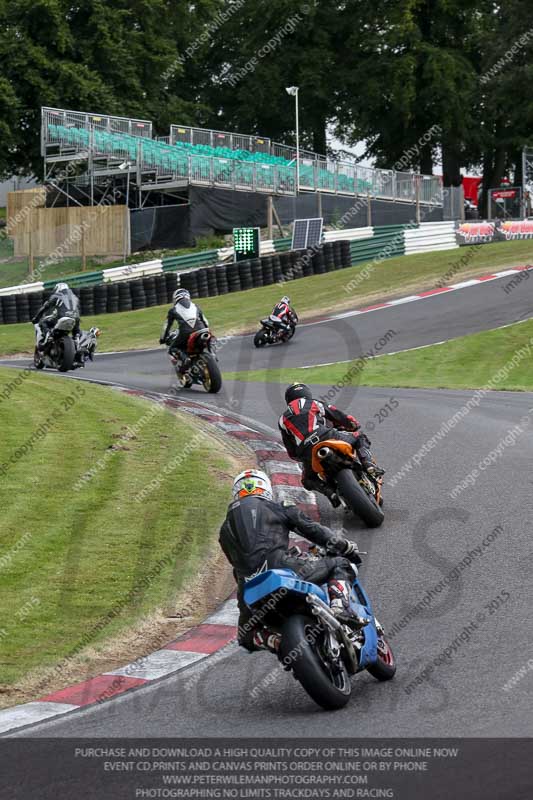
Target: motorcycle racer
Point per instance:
(189, 318)
(283, 315)
(255, 537)
(306, 421)
(61, 303)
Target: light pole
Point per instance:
(293, 91)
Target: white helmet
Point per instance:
(286, 299)
(252, 482)
(61, 287)
(180, 294)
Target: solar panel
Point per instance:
(306, 233)
(314, 232)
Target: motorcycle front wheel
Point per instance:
(359, 501)
(301, 650)
(385, 667)
(38, 363)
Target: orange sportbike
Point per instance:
(336, 463)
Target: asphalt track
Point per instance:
(426, 535)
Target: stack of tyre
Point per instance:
(109, 298)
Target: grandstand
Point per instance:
(105, 147)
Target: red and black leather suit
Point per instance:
(283, 315)
(306, 421)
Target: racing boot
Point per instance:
(314, 484)
(339, 596)
(265, 639)
(339, 602)
(374, 470)
(367, 460)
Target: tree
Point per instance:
(111, 56)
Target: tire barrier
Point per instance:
(138, 296)
(100, 299)
(212, 285)
(189, 281)
(234, 278)
(171, 283)
(124, 296)
(36, 301)
(87, 301)
(150, 294)
(112, 298)
(210, 281)
(245, 274)
(221, 279)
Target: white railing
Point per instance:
(62, 118)
(111, 136)
(213, 138)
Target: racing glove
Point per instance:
(344, 547)
(354, 424)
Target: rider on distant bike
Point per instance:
(283, 315)
(255, 537)
(61, 303)
(306, 421)
(189, 318)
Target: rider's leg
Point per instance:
(336, 571)
(312, 483)
(364, 453)
(361, 442)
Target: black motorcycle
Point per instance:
(201, 365)
(273, 333)
(60, 351)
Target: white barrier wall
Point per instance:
(130, 271)
(430, 236)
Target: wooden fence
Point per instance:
(63, 232)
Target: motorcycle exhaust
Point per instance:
(205, 336)
(323, 452)
(321, 610)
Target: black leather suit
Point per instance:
(255, 534)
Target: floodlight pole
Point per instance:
(294, 91)
(297, 143)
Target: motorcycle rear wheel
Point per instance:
(212, 378)
(260, 339)
(67, 353)
(328, 688)
(359, 501)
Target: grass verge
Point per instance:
(81, 561)
(241, 311)
(499, 359)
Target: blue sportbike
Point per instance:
(322, 650)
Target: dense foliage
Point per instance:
(385, 72)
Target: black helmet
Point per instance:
(296, 391)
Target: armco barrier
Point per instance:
(386, 242)
(177, 263)
(84, 279)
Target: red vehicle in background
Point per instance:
(471, 187)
